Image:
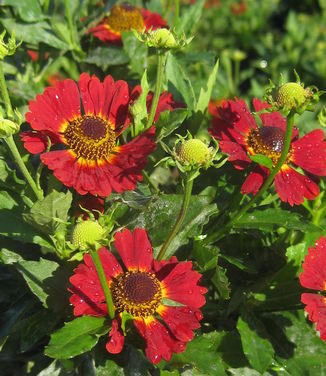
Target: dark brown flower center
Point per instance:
(268, 141)
(138, 293)
(124, 18)
(90, 137)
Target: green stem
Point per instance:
(5, 95)
(159, 79)
(181, 216)
(176, 13)
(13, 148)
(287, 143)
(104, 283)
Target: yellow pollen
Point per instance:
(138, 293)
(268, 141)
(124, 18)
(90, 138)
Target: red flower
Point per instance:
(91, 203)
(314, 277)
(238, 8)
(239, 136)
(86, 155)
(139, 289)
(125, 17)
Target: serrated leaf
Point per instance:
(205, 93)
(76, 337)
(271, 219)
(105, 57)
(51, 212)
(34, 33)
(262, 160)
(258, 350)
(295, 255)
(136, 51)
(29, 10)
(180, 80)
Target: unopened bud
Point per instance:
(162, 38)
(87, 233)
(291, 95)
(9, 48)
(194, 151)
(8, 128)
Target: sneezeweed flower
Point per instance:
(143, 289)
(125, 17)
(241, 138)
(314, 277)
(81, 145)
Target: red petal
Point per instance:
(117, 339)
(181, 284)
(134, 249)
(309, 152)
(181, 321)
(105, 34)
(314, 267)
(316, 308)
(91, 203)
(159, 342)
(293, 187)
(35, 143)
(254, 180)
(152, 20)
(55, 106)
(237, 154)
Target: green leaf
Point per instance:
(51, 212)
(190, 17)
(110, 368)
(258, 350)
(76, 337)
(136, 51)
(179, 79)
(139, 107)
(105, 57)
(170, 121)
(262, 160)
(202, 354)
(34, 33)
(271, 219)
(29, 10)
(221, 282)
(161, 214)
(205, 94)
(7, 201)
(205, 255)
(295, 255)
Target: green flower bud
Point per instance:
(291, 95)
(8, 128)
(9, 48)
(194, 151)
(87, 233)
(162, 38)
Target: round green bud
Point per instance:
(291, 95)
(194, 151)
(87, 233)
(8, 128)
(162, 38)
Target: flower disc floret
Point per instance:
(87, 233)
(194, 151)
(141, 288)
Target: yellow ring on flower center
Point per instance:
(268, 141)
(124, 18)
(138, 293)
(90, 137)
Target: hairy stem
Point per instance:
(104, 283)
(181, 216)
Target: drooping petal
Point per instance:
(159, 342)
(254, 180)
(180, 284)
(314, 267)
(181, 321)
(309, 152)
(316, 308)
(56, 106)
(34, 142)
(134, 249)
(293, 187)
(117, 339)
